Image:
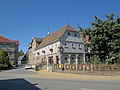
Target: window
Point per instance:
(66, 59)
(80, 59)
(7, 45)
(73, 46)
(43, 52)
(75, 35)
(72, 60)
(68, 33)
(51, 50)
(80, 47)
(38, 53)
(1, 45)
(66, 45)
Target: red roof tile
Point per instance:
(17, 42)
(3, 39)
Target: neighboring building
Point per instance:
(88, 50)
(32, 46)
(11, 46)
(86, 39)
(64, 46)
(22, 59)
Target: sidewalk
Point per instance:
(60, 75)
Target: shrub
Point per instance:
(3, 67)
(95, 60)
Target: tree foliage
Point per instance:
(4, 59)
(27, 55)
(84, 32)
(95, 59)
(105, 39)
(20, 53)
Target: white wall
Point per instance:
(47, 48)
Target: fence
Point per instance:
(88, 67)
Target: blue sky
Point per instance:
(24, 19)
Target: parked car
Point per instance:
(28, 66)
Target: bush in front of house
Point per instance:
(3, 67)
(4, 60)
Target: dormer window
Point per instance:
(68, 33)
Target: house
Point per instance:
(11, 46)
(22, 59)
(65, 46)
(88, 50)
(32, 46)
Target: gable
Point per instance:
(36, 40)
(56, 35)
(71, 36)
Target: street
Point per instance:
(21, 79)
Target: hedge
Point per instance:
(3, 67)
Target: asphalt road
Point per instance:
(20, 79)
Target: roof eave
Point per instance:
(39, 47)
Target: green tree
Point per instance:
(27, 55)
(4, 59)
(95, 59)
(84, 32)
(20, 53)
(105, 39)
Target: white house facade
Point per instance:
(64, 46)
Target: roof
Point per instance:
(17, 42)
(38, 39)
(3, 39)
(56, 35)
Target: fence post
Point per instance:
(91, 67)
(76, 66)
(83, 67)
